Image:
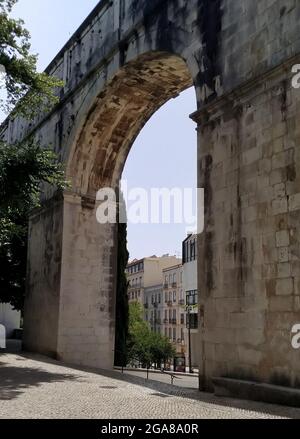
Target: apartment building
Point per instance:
(190, 288)
(144, 273)
(173, 307)
(154, 307)
(168, 290)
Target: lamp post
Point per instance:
(189, 308)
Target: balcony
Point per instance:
(174, 321)
(170, 303)
(166, 286)
(181, 302)
(174, 285)
(146, 305)
(166, 321)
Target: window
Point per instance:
(170, 279)
(189, 250)
(182, 334)
(192, 297)
(193, 321)
(193, 250)
(182, 319)
(174, 278)
(174, 315)
(166, 332)
(166, 315)
(166, 280)
(166, 297)
(170, 333)
(174, 296)
(174, 334)
(159, 298)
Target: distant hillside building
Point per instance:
(174, 321)
(146, 272)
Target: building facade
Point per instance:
(154, 307)
(174, 312)
(167, 289)
(190, 289)
(144, 273)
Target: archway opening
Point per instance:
(161, 170)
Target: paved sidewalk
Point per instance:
(180, 380)
(35, 387)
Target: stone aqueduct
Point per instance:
(127, 59)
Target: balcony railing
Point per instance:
(166, 286)
(181, 302)
(174, 285)
(170, 303)
(174, 321)
(166, 320)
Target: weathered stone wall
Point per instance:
(87, 298)
(44, 279)
(249, 255)
(127, 59)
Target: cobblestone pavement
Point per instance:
(35, 387)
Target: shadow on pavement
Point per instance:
(207, 398)
(15, 380)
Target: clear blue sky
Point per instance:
(164, 155)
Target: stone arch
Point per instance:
(117, 116)
(84, 308)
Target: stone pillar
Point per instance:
(43, 279)
(83, 315)
(249, 259)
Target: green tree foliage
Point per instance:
(27, 90)
(145, 346)
(23, 167)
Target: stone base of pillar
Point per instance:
(70, 304)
